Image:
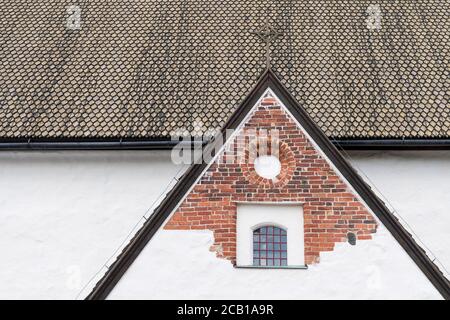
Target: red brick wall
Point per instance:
(330, 209)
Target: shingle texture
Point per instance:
(141, 69)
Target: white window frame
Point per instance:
(288, 216)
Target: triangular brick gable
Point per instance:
(329, 215)
(331, 209)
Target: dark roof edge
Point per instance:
(392, 144)
(90, 144)
(167, 144)
(144, 235)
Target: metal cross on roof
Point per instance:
(268, 34)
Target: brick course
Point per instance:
(330, 209)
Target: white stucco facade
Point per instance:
(63, 214)
(415, 186)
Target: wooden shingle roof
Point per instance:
(141, 69)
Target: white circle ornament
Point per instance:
(268, 167)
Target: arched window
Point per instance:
(269, 246)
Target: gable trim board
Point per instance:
(270, 81)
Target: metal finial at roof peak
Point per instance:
(268, 34)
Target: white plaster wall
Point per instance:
(178, 265)
(62, 215)
(417, 185)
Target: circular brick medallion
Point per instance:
(267, 147)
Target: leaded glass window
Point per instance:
(270, 247)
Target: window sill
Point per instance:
(305, 267)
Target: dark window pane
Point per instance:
(269, 246)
